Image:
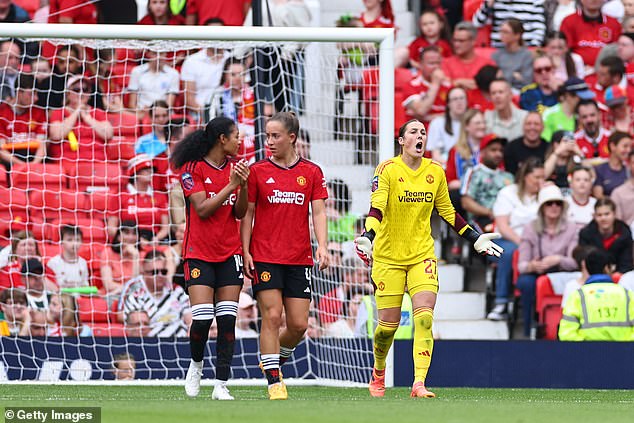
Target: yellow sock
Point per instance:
(383, 337)
(423, 342)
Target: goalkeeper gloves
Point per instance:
(363, 247)
(485, 246)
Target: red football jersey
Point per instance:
(416, 48)
(141, 207)
(230, 11)
(22, 127)
(217, 237)
(593, 148)
(417, 89)
(80, 11)
(282, 198)
(587, 37)
(90, 146)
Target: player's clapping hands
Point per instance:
(239, 173)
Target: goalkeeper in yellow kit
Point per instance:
(405, 190)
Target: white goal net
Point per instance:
(90, 266)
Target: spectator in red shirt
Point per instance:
(462, 67)
(625, 50)
(434, 32)
(22, 125)
(611, 71)
(140, 203)
(589, 30)
(426, 95)
(619, 116)
(72, 11)
(120, 261)
(159, 13)
(231, 12)
(377, 14)
(79, 131)
(591, 137)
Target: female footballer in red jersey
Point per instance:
(277, 251)
(215, 192)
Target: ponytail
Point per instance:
(196, 145)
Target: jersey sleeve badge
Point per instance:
(375, 183)
(188, 181)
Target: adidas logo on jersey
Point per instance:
(270, 180)
(208, 180)
(307, 290)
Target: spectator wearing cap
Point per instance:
(481, 183)
(139, 203)
(591, 137)
(619, 115)
(505, 120)
(32, 273)
(546, 247)
(246, 322)
(22, 124)
(588, 30)
(623, 196)
(155, 142)
(530, 144)
(13, 307)
(78, 131)
(561, 116)
(613, 173)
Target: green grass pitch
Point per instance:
(329, 405)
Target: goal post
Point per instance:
(351, 126)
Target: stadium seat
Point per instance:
(13, 210)
(97, 203)
(548, 307)
(95, 177)
(55, 205)
(92, 309)
(50, 176)
(120, 149)
(109, 330)
(123, 124)
(91, 252)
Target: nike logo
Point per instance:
(270, 180)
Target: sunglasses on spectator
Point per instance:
(543, 70)
(551, 203)
(155, 272)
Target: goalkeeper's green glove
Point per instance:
(485, 246)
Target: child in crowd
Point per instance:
(70, 270)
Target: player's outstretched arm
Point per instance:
(363, 244)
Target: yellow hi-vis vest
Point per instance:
(598, 312)
(406, 326)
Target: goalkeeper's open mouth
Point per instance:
(419, 147)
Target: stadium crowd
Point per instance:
(528, 107)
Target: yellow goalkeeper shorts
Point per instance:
(391, 279)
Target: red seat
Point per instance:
(92, 309)
(54, 205)
(40, 176)
(109, 330)
(94, 177)
(91, 252)
(124, 124)
(13, 210)
(96, 203)
(548, 306)
(120, 149)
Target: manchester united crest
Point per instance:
(301, 181)
(195, 273)
(430, 179)
(265, 276)
(381, 286)
(605, 34)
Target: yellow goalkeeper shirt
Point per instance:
(406, 198)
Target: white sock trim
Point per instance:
(203, 312)
(227, 308)
(286, 352)
(270, 361)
